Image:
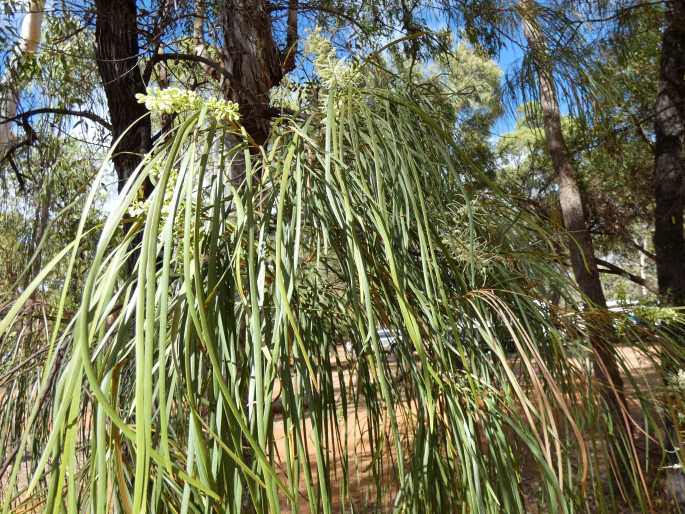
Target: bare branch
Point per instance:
(288, 55)
(54, 110)
(612, 269)
(147, 74)
(642, 249)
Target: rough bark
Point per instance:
(117, 55)
(669, 182)
(253, 60)
(253, 64)
(580, 244)
(669, 165)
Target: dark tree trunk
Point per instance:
(580, 244)
(116, 51)
(669, 165)
(669, 181)
(254, 61)
(255, 65)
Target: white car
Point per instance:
(387, 339)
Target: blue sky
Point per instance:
(508, 59)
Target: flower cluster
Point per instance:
(140, 207)
(333, 71)
(174, 101)
(223, 110)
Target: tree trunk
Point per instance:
(117, 56)
(28, 44)
(669, 181)
(580, 244)
(198, 28)
(254, 61)
(41, 225)
(669, 166)
(255, 65)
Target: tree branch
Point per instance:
(612, 269)
(147, 74)
(9, 157)
(642, 249)
(288, 56)
(54, 110)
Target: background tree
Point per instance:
(669, 168)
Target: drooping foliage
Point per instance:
(369, 310)
(226, 353)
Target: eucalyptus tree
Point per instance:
(117, 53)
(613, 165)
(246, 47)
(580, 246)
